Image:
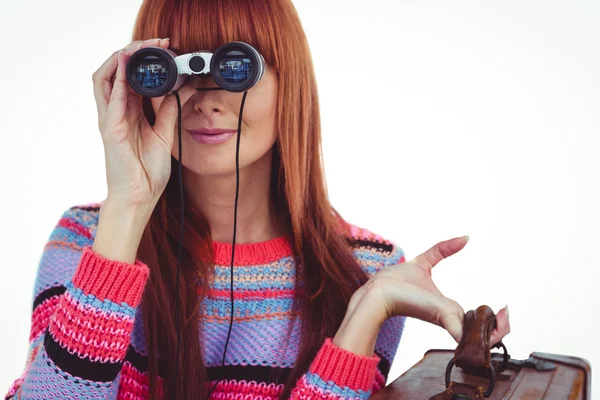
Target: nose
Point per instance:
(207, 102)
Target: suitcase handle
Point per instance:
(473, 353)
(473, 350)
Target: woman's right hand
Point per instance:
(137, 155)
(407, 289)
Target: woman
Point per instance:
(320, 303)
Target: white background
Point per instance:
(440, 119)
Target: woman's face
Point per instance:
(212, 154)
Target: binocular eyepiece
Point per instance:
(156, 72)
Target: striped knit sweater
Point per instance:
(87, 339)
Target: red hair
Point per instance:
(327, 267)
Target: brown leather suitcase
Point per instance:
(472, 372)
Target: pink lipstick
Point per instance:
(212, 136)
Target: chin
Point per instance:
(212, 169)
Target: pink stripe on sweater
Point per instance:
(76, 227)
(252, 253)
(306, 391)
(40, 318)
(99, 336)
(253, 294)
(365, 234)
(251, 390)
(134, 384)
(379, 382)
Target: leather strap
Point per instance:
(473, 352)
(473, 355)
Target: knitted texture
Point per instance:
(87, 340)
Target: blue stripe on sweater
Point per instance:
(222, 307)
(106, 305)
(331, 387)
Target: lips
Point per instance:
(212, 135)
(213, 131)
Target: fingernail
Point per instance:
(507, 313)
(466, 236)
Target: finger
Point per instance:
(164, 43)
(117, 105)
(166, 117)
(440, 251)
(502, 326)
(102, 79)
(451, 318)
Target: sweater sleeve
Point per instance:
(337, 374)
(83, 311)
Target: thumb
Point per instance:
(440, 251)
(452, 319)
(167, 114)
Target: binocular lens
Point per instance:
(235, 67)
(151, 72)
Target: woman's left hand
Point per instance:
(408, 289)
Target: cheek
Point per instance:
(259, 110)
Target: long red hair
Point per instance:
(327, 270)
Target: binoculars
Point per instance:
(155, 72)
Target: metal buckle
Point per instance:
(490, 389)
(505, 358)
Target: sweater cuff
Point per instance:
(116, 281)
(344, 368)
